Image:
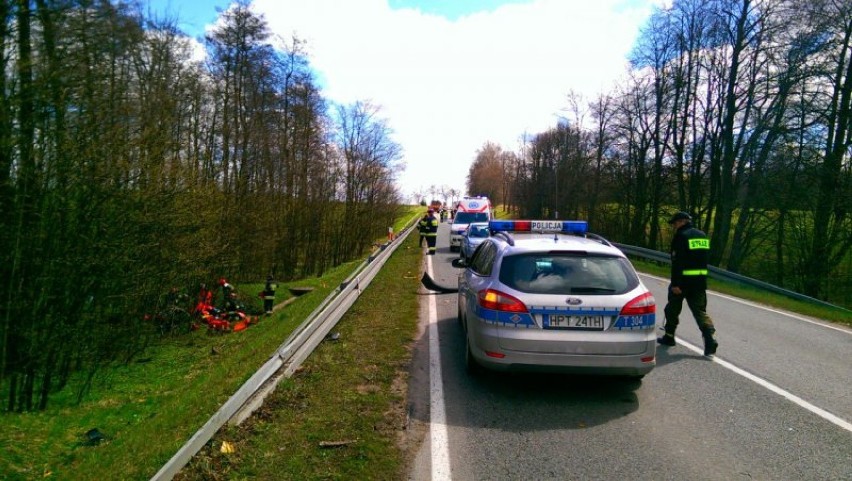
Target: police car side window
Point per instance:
(475, 251)
(483, 258)
(477, 254)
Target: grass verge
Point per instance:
(341, 415)
(148, 408)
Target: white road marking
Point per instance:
(772, 387)
(437, 415)
(763, 382)
(765, 308)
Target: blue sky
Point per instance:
(192, 15)
(450, 75)
(450, 9)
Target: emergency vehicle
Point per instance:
(468, 210)
(547, 295)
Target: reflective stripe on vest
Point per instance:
(699, 244)
(695, 272)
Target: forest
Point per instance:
(131, 165)
(736, 111)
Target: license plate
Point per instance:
(564, 321)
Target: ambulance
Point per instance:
(469, 209)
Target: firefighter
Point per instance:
(268, 295)
(227, 290)
(431, 223)
(232, 307)
(205, 295)
(422, 227)
(690, 247)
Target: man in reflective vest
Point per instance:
(690, 247)
(268, 295)
(431, 223)
(423, 228)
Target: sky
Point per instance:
(450, 75)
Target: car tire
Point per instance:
(473, 367)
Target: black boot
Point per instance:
(710, 345)
(667, 340)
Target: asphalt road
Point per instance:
(774, 404)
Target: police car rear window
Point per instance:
(479, 231)
(568, 273)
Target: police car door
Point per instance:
(476, 277)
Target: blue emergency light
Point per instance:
(566, 226)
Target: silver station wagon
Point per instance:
(549, 296)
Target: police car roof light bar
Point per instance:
(564, 226)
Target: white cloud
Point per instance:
(447, 87)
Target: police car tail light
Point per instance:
(644, 304)
(499, 301)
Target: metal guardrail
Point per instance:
(288, 357)
(722, 274)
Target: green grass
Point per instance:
(148, 408)
(501, 213)
(756, 295)
(409, 215)
(349, 391)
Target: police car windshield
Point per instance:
(468, 217)
(568, 273)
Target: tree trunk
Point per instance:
(827, 208)
(728, 185)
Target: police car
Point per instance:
(548, 295)
(472, 236)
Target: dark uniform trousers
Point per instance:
(696, 299)
(268, 301)
(432, 234)
(431, 242)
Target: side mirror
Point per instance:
(459, 263)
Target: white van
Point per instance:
(469, 209)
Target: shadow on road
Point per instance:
(670, 355)
(516, 402)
